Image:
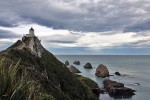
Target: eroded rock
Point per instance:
(76, 62)
(102, 71)
(88, 66)
(117, 89)
(117, 73)
(73, 69)
(67, 63)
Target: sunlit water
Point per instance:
(134, 69)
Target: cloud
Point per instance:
(77, 15)
(97, 41)
(5, 43)
(7, 38)
(139, 26)
(5, 34)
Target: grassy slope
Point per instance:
(52, 75)
(90, 83)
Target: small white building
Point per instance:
(31, 33)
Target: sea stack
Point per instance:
(88, 66)
(76, 62)
(102, 71)
(117, 73)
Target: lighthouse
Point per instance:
(31, 33)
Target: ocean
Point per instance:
(134, 69)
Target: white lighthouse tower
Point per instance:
(31, 33)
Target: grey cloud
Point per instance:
(105, 15)
(4, 34)
(138, 44)
(139, 26)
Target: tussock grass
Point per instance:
(14, 87)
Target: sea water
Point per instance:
(134, 69)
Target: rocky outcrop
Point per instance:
(67, 63)
(117, 73)
(102, 71)
(33, 44)
(117, 89)
(88, 66)
(73, 69)
(76, 62)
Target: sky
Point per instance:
(79, 27)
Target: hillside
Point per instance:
(53, 79)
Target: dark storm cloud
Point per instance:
(141, 26)
(4, 34)
(6, 24)
(87, 15)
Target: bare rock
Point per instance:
(76, 62)
(88, 66)
(117, 89)
(73, 69)
(117, 73)
(102, 71)
(67, 63)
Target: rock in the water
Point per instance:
(102, 71)
(117, 89)
(88, 66)
(76, 62)
(67, 63)
(73, 69)
(117, 73)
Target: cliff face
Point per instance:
(51, 76)
(31, 43)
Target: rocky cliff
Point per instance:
(31, 43)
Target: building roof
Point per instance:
(32, 29)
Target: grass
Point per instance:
(10, 86)
(90, 83)
(18, 87)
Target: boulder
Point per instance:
(67, 63)
(117, 89)
(88, 66)
(76, 62)
(117, 73)
(102, 71)
(73, 69)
